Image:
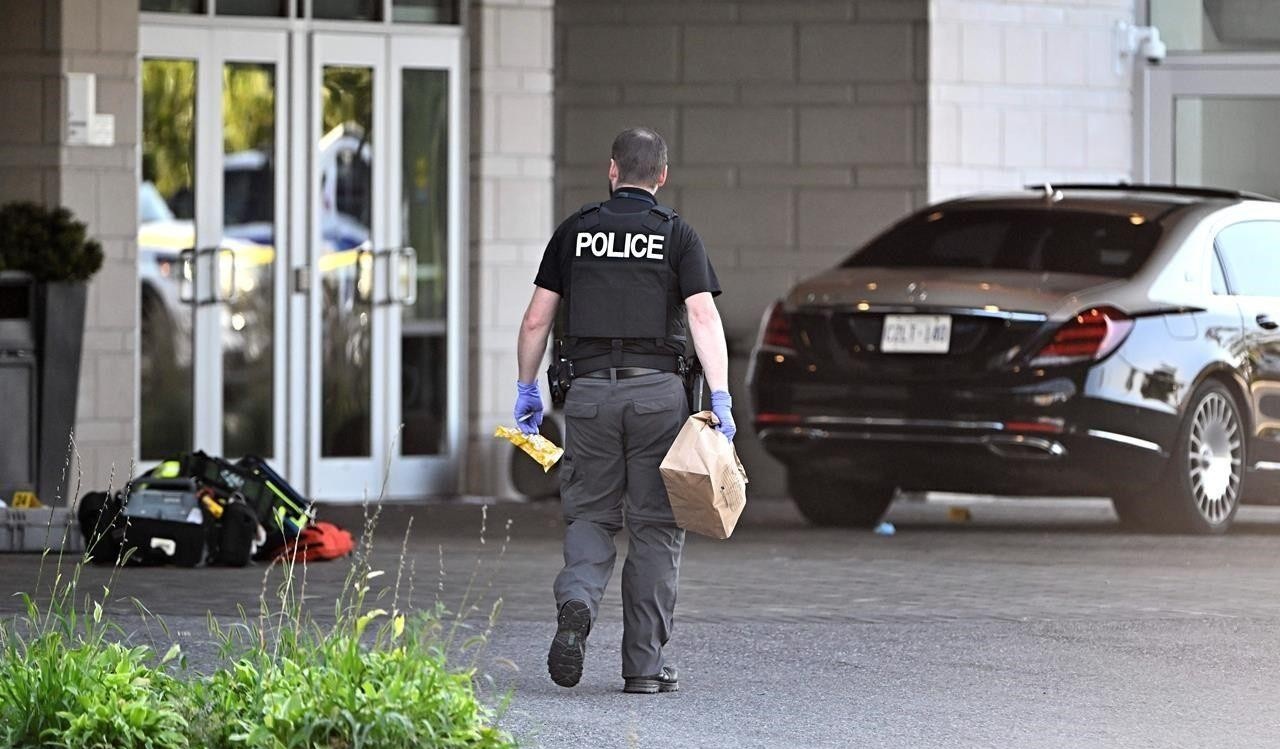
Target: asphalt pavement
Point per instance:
(1033, 623)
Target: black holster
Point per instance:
(559, 375)
(694, 381)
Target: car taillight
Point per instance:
(777, 328)
(1089, 336)
(771, 419)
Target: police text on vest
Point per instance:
(602, 244)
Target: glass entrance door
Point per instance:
(385, 391)
(426, 392)
(300, 254)
(349, 247)
(210, 242)
(1215, 126)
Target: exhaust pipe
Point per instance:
(1019, 447)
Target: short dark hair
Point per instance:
(641, 155)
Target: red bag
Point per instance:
(317, 542)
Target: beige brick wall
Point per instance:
(796, 129)
(44, 40)
(1024, 92)
(30, 95)
(512, 101)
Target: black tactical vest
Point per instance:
(622, 285)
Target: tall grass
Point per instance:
(367, 677)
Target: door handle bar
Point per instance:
(365, 261)
(407, 276)
(189, 283)
(218, 296)
(402, 287)
(187, 276)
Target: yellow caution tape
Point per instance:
(25, 501)
(332, 261)
(536, 446)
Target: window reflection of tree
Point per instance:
(347, 106)
(167, 163)
(248, 105)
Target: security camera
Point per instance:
(1132, 41)
(1153, 47)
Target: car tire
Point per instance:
(1204, 478)
(838, 503)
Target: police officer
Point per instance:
(628, 270)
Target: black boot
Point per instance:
(667, 681)
(569, 648)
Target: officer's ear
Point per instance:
(662, 178)
(613, 173)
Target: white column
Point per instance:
(45, 39)
(1024, 92)
(512, 146)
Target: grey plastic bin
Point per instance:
(53, 528)
(18, 379)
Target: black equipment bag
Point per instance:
(290, 511)
(164, 522)
(278, 506)
(232, 543)
(101, 524)
(228, 480)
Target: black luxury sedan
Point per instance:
(1102, 340)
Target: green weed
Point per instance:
(367, 678)
(67, 681)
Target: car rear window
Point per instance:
(1048, 240)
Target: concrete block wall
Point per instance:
(1027, 91)
(30, 96)
(512, 167)
(44, 40)
(796, 131)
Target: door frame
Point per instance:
(212, 48)
(1227, 75)
(346, 478)
(441, 471)
(446, 46)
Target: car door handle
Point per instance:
(1265, 322)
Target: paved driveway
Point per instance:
(1035, 624)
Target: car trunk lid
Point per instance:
(988, 318)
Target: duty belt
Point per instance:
(655, 362)
(622, 373)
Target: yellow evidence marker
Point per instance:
(25, 501)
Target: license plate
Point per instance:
(916, 334)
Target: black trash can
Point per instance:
(18, 396)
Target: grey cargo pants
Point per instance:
(616, 434)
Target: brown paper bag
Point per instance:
(705, 480)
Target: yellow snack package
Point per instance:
(538, 447)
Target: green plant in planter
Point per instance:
(48, 243)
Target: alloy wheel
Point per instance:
(1214, 458)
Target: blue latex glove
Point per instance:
(721, 405)
(528, 411)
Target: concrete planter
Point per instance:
(59, 313)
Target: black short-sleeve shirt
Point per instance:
(690, 261)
